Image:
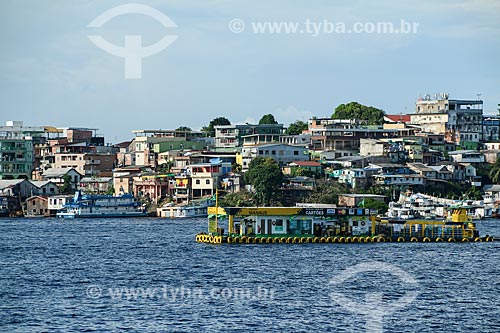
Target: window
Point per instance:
(273, 152)
(296, 152)
(207, 181)
(197, 182)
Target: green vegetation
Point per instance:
(265, 175)
(327, 192)
(360, 112)
(66, 186)
(494, 172)
(296, 128)
(371, 203)
(238, 199)
(302, 172)
(184, 128)
(267, 119)
(219, 121)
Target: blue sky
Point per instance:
(52, 74)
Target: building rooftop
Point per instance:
(366, 195)
(402, 118)
(306, 163)
(6, 183)
(40, 183)
(56, 172)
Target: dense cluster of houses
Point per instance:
(443, 140)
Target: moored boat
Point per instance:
(124, 205)
(196, 208)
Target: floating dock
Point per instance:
(300, 225)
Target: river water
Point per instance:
(148, 275)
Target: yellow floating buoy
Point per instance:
(401, 239)
(490, 239)
(414, 239)
(477, 239)
(244, 239)
(355, 239)
(439, 239)
(426, 239)
(342, 240)
(451, 240)
(322, 240)
(230, 240)
(348, 239)
(465, 239)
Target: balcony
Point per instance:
(18, 148)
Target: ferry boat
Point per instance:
(331, 225)
(124, 205)
(196, 208)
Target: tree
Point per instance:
(327, 192)
(360, 112)
(219, 121)
(184, 128)
(371, 203)
(111, 190)
(267, 119)
(66, 186)
(266, 177)
(296, 128)
(494, 172)
(238, 199)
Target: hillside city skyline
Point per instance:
(51, 73)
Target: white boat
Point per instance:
(102, 206)
(196, 208)
(4, 207)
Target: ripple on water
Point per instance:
(48, 266)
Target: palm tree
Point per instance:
(495, 171)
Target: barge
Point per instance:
(331, 225)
